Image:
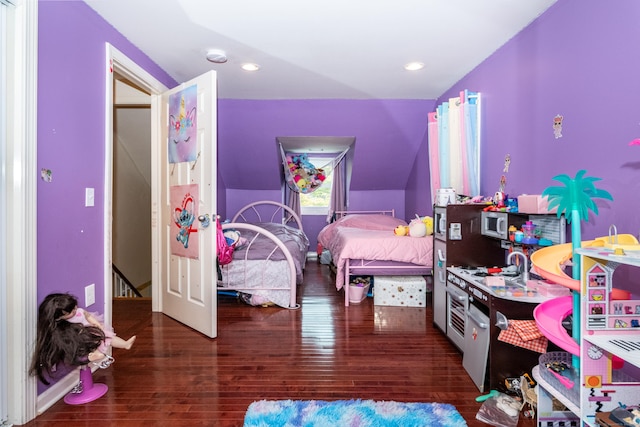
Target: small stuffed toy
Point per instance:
(428, 222)
(500, 199)
(417, 228)
(401, 230)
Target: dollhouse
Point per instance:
(606, 382)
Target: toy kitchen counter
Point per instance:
(479, 308)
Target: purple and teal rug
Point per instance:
(350, 413)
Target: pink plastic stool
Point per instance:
(86, 391)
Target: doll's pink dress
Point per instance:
(79, 317)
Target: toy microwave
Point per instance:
(497, 224)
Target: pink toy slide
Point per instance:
(549, 315)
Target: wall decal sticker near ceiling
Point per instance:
(557, 126)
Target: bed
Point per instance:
(363, 243)
(268, 262)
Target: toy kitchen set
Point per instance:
(484, 295)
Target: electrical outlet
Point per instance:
(89, 294)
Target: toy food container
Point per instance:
(445, 196)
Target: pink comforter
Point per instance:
(373, 239)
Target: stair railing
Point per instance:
(122, 287)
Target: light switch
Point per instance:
(89, 197)
(89, 294)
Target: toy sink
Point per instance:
(518, 281)
(514, 280)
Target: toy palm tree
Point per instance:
(574, 201)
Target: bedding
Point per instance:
(275, 273)
(269, 260)
(371, 237)
(361, 221)
(295, 240)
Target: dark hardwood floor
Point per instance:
(174, 376)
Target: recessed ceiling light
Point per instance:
(216, 56)
(250, 67)
(414, 66)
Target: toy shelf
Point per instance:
(609, 345)
(610, 334)
(558, 394)
(625, 346)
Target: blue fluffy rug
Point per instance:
(350, 413)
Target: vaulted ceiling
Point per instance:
(331, 49)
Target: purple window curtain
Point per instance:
(293, 200)
(338, 190)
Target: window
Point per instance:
(317, 203)
(319, 151)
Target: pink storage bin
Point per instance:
(534, 204)
(550, 289)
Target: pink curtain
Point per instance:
(454, 145)
(434, 161)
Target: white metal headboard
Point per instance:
(340, 214)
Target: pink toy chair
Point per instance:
(86, 391)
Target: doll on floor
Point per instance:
(70, 335)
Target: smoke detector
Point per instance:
(216, 56)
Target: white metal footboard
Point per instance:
(251, 277)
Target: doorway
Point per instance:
(191, 302)
(134, 82)
(131, 201)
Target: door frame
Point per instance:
(118, 62)
(21, 195)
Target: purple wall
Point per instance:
(71, 82)
(418, 191)
(564, 63)
(388, 134)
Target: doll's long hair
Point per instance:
(59, 341)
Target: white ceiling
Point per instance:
(333, 49)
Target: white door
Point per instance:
(188, 283)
